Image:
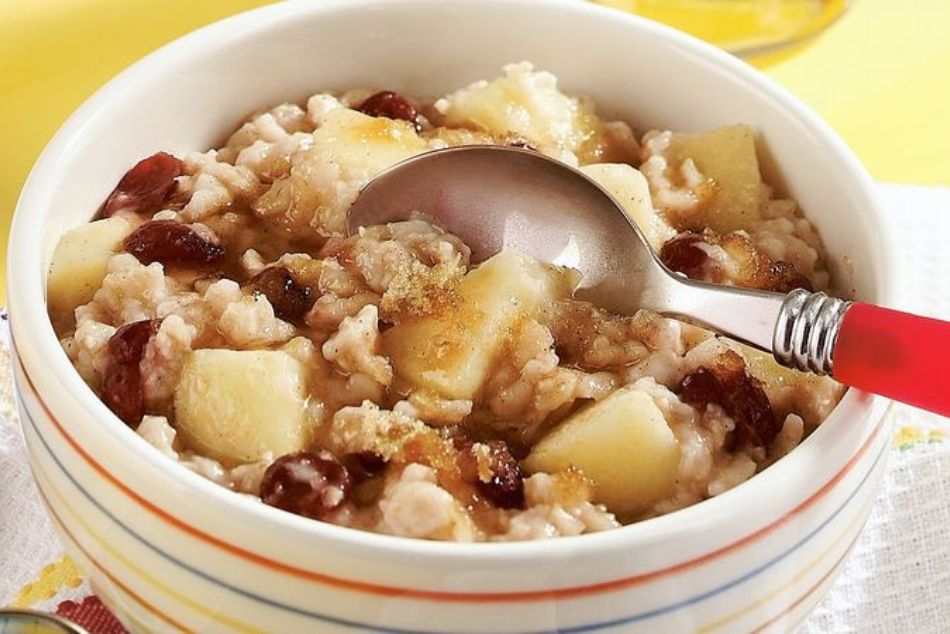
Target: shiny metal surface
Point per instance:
(496, 197)
(807, 331)
(746, 315)
(16, 621)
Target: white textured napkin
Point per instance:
(897, 579)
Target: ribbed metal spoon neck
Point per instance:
(807, 330)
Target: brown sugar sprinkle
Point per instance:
(450, 458)
(594, 339)
(729, 384)
(431, 450)
(481, 483)
(476, 479)
(571, 486)
(685, 254)
(417, 290)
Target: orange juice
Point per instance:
(742, 26)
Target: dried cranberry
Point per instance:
(305, 483)
(505, 487)
(145, 187)
(753, 268)
(122, 388)
(389, 104)
(172, 243)
(683, 254)
(783, 277)
(289, 299)
(730, 385)
(364, 465)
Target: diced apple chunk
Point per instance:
(452, 353)
(363, 146)
(528, 104)
(79, 264)
(349, 148)
(764, 367)
(727, 155)
(622, 443)
(631, 190)
(237, 405)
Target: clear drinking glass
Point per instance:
(744, 27)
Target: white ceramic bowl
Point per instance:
(170, 551)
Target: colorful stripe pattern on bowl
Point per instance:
(162, 571)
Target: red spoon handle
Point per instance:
(894, 354)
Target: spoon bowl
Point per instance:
(497, 197)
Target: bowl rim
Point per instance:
(27, 297)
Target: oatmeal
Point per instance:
(381, 380)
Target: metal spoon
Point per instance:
(496, 197)
(16, 621)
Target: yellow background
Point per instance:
(879, 76)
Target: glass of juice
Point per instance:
(744, 27)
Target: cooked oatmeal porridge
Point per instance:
(380, 380)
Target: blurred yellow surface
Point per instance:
(878, 76)
(739, 25)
